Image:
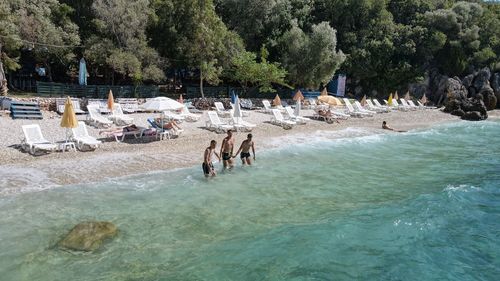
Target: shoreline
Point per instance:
(21, 172)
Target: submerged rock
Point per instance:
(88, 236)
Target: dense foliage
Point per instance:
(380, 44)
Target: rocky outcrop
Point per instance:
(495, 85)
(472, 109)
(88, 236)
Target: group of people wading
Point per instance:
(226, 153)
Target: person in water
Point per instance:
(207, 166)
(245, 150)
(386, 127)
(226, 150)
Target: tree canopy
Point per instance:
(379, 44)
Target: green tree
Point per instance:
(310, 59)
(121, 43)
(248, 72)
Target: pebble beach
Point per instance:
(20, 170)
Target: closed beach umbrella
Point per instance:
(162, 104)
(324, 92)
(237, 109)
(396, 97)
(298, 96)
(423, 100)
(111, 100)
(407, 96)
(68, 119)
(277, 100)
(82, 72)
(389, 101)
(233, 97)
(297, 109)
(181, 100)
(363, 100)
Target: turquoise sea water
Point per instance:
(423, 205)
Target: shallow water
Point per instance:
(423, 205)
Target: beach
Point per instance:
(112, 159)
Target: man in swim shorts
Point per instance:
(226, 150)
(245, 150)
(207, 166)
(386, 127)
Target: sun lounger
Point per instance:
(61, 103)
(425, 106)
(377, 104)
(277, 119)
(101, 104)
(82, 138)
(221, 111)
(95, 118)
(188, 116)
(398, 106)
(118, 117)
(172, 116)
(360, 108)
(242, 125)
(378, 109)
(405, 104)
(352, 112)
(215, 124)
(290, 115)
(161, 133)
(34, 140)
(267, 107)
(412, 105)
(129, 105)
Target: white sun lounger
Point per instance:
(61, 103)
(292, 117)
(102, 105)
(34, 140)
(95, 118)
(188, 116)
(118, 117)
(214, 123)
(245, 113)
(82, 138)
(378, 109)
(360, 108)
(277, 119)
(242, 125)
(221, 111)
(405, 104)
(398, 106)
(353, 112)
(377, 103)
(267, 107)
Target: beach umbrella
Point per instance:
(162, 104)
(298, 96)
(68, 119)
(407, 96)
(324, 92)
(296, 112)
(329, 100)
(389, 101)
(111, 100)
(82, 72)
(363, 100)
(237, 109)
(423, 100)
(277, 100)
(233, 97)
(396, 97)
(180, 100)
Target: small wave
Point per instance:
(14, 180)
(461, 188)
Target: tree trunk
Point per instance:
(3, 78)
(201, 84)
